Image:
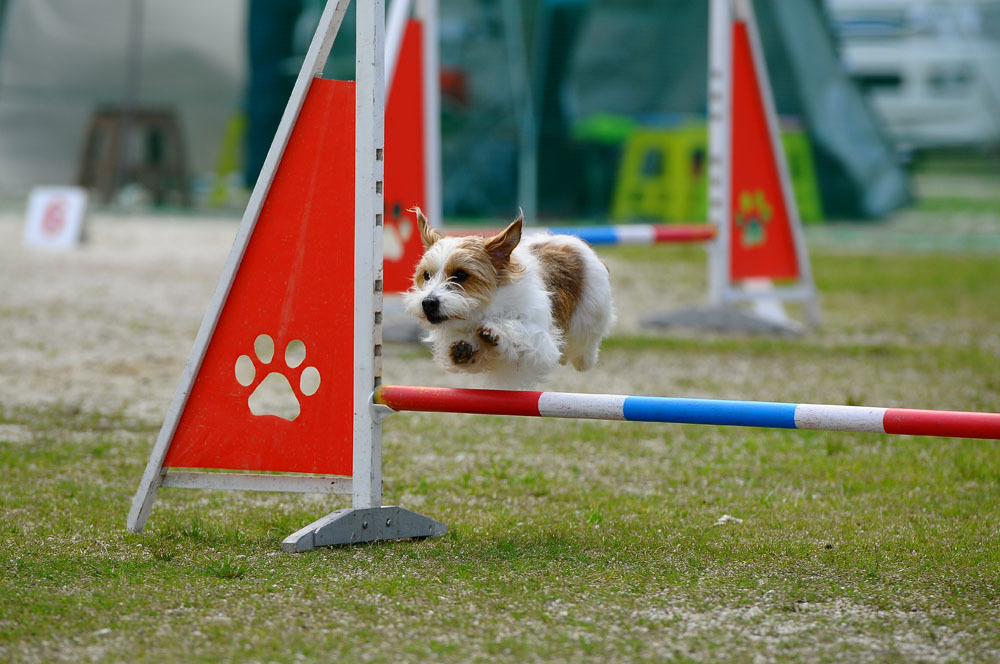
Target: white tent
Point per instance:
(61, 59)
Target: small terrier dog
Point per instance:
(507, 308)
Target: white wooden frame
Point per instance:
(368, 209)
(257, 482)
(719, 146)
(365, 485)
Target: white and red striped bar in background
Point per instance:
(636, 234)
(692, 411)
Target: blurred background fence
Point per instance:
(174, 104)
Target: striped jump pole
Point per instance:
(817, 417)
(625, 234)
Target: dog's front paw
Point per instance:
(488, 336)
(462, 352)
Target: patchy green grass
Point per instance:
(569, 540)
(960, 204)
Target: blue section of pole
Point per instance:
(594, 235)
(711, 411)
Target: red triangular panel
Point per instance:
(296, 281)
(761, 243)
(404, 163)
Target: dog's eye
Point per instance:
(427, 275)
(459, 276)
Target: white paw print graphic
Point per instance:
(279, 384)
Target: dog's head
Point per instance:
(457, 275)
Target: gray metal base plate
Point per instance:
(355, 526)
(723, 319)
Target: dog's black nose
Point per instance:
(431, 305)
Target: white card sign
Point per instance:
(56, 216)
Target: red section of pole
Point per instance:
(671, 233)
(942, 423)
(452, 400)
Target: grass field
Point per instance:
(569, 540)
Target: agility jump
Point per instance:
(306, 267)
(774, 415)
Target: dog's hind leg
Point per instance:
(589, 327)
(582, 352)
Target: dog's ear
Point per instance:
(500, 246)
(427, 234)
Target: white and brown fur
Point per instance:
(507, 308)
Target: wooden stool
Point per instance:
(141, 145)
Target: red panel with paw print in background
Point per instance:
(761, 243)
(405, 185)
